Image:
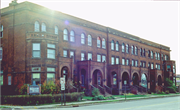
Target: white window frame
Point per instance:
(43, 27)
(103, 43)
(89, 56)
(50, 71)
(36, 49)
(123, 61)
(72, 38)
(89, 40)
(117, 60)
(103, 58)
(65, 53)
(36, 26)
(112, 60)
(98, 58)
(51, 51)
(82, 56)
(82, 38)
(39, 77)
(65, 35)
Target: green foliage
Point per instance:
(95, 92)
(23, 89)
(39, 99)
(169, 85)
(167, 91)
(110, 97)
(50, 88)
(100, 97)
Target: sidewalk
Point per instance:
(85, 102)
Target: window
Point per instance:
(72, 36)
(89, 40)
(136, 63)
(174, 70)
(9, 80)
(98, 58)
(168, 67)
(149, 65)
(36, 78)
(127, 61)
(51, 51)
(89, 56)
(36, 69)
(155, 55)
(123, 48)
(56, 30)
(143, 64)
(1, 53)
(43, 27)
(36, 50)
(72, 54)
(82, 56)
(1, 31)
(36, 26)
(82, 38)
(140, 64)
(144, 52)
(112, 60)
(127, 48)
(141, 51)
(152, 66)
(158, 56)
(136, 51)
(1, 79)
(132, 49)
(65, 53)
(103, 43)
(117, 60)
(158, 66)
(103, 58)
(123, 61)
(166, 57)
(98, 42)
(50, 74)
(132, 63)
(117, 46)
(151, 54)
(112, 45)
(162, 57)
(65, 34)
(114, 79)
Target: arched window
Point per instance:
(1, 30)
(56, 30)
(112, 45)
(65, 32)
(136, 51)
(72, 36)
(98, 42)
(123, 47)
(82, 38)
(156, 55)
(117, 46)
(132, 49)
(103, 43)
(89, 40)
(151, 54)
(43, 27)
(36, 26)
(141, 51)
(127, 48)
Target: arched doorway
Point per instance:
(159, 81)
(83, 77)
(144, 81)
(65, 72)
(135, 79)
(97, 78)
(125, 77)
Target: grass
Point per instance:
(87, 97)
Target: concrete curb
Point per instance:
(88, 103)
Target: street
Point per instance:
(167, 103)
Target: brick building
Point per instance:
(38, 44)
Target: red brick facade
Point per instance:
(20, 35)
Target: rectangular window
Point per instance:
(152, 66)
(144, 64)
(9, 80)
(1, 31)
(36, 50)
(174, 70)
(82, 56)
(89, 56)
(159, 67)
(65, 53)
(1, 79)
(136, 63)
(168, 67)
(98, 58)
(36, 69)
(51, 51)
(123, 61)
(103, 58)
(50, 74)
(117, 60)
(36, 78)
(72, 54)
(141, 64)
(50, 69)
(156, 66)
(127, 61)
(112, 60)
(1, 53)
(132, 63)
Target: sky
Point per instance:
(157, 21)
